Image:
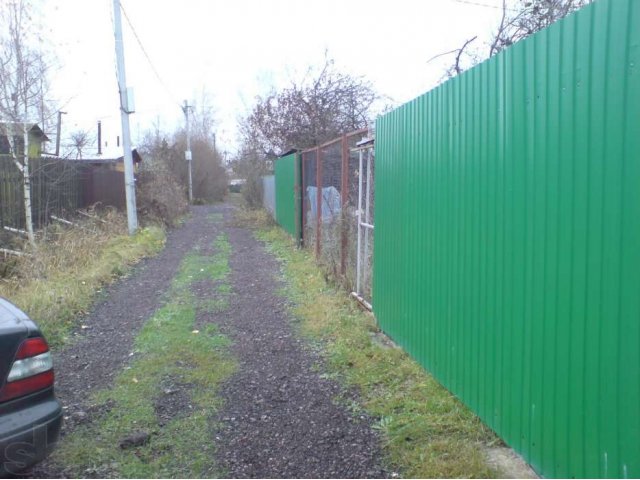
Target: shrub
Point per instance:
(159, 196)
(60, 278)
(252, 189)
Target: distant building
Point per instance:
(114, 164)
(15, 130)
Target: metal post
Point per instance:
(297, 198)
(303, 204)
(366, 212)
(318, 200)
(129, 181)
(358, 261)
(188, 155)
(344, 244)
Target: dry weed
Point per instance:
(58, 278)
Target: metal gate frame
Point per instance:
(365, 146)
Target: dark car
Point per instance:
(30, 415)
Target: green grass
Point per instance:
(198, 266)
(64, 277)
(215, 217)
(167, 347)
(427, 432)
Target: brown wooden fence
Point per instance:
(58, 187)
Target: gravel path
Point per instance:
(280, 418)
(101, 350)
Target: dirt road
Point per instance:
(279, 415)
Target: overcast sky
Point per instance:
(235, 50)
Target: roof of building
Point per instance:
(288, 152)
(137, 158)
(33, 128)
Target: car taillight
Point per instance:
(32, 370)
(32, 347)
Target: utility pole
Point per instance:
(187, 154)
(125, 110)
(59, 129)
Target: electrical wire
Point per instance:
(144, 51)
(478, 4)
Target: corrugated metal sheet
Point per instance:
(287, 173)
(508, 240)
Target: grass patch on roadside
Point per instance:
(426, 430)
(68, 269)
(247, 217)
(167, 347)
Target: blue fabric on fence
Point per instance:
(331, 203)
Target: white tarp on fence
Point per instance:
(331, 203)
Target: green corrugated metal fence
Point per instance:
(507, 256)
(287, 173)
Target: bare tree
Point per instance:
(165, 152)
(517, 22)
(22, 92)
(309, 112)
(79, 140)
(203, 117)
(456, 67)
(529, 17)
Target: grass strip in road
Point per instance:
(428, 433)
(170, 358)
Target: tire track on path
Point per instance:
(102, 349)
(280, 419)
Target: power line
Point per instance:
(478, 4)
(144, 51)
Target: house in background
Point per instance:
(103, 179)
(37, 138)
(115, 164)
(102, 152)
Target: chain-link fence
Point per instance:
(330, 186)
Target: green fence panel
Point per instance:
(287, 172)
(507, 256)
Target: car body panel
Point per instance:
(28, 435)
(15, 326)
(29, 425)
